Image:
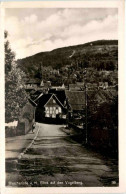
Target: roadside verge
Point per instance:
(15, 147)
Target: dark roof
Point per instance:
(81, 84)
(33, 81)
(45, 97)
(36, 94)
(75, 87)
(60, 94)
(102, 95)
(76, 99)
(32, 102)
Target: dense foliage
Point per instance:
(98, 56)
(15, 96)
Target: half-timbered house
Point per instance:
(50, 106)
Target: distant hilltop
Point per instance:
(101, 50)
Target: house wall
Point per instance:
(52, 111)
(31, 86)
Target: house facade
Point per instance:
(32, 84)
(76, 103)
(103, 85)
(54, 108)
(50, 107)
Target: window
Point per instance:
(47, 115)
(51, 109)
(53, 115)
(54, 101)
(59, 110)
(47, 110)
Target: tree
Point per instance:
(9, 55)
(15, 95)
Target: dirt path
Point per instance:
(55, 160)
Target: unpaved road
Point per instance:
(54, 160)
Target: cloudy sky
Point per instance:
(36, 30)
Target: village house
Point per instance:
(92, 86)
(35, 95)
(103, 85)
(49, 106)
(55, 71)
(76, 103)
(32, 84)
(46, 84)
(60, 94)
(58, 87)
(76, 87)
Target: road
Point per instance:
(55, 160)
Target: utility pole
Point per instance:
(85, 96)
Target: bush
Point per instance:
(10, 131)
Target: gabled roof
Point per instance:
(60, 94)
(75, 87)
(34, 96)
(81, 84)
(44, 99)
(76, 99)
(102, 95)
(33, 81)
(32, 102)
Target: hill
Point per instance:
(101, 54)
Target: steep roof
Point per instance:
(32, 102)
(35, 95)
(60, 94)
(33, 81)
(76, 99)
(81, 84)
(43, 100)
(75, 87)
(101, 95)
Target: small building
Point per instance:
(55, 71)
(46, 84)
(92, 86)
(32, 84)
(103, 85)
(58, 87)
(60, 94)
(76, 102)
(49, 106)
(81, 84)
(75, 87)
(34, 96)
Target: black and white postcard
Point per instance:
(63, 124)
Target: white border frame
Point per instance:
(121, 73)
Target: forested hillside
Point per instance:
(98, 55)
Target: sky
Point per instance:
(37, 30)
